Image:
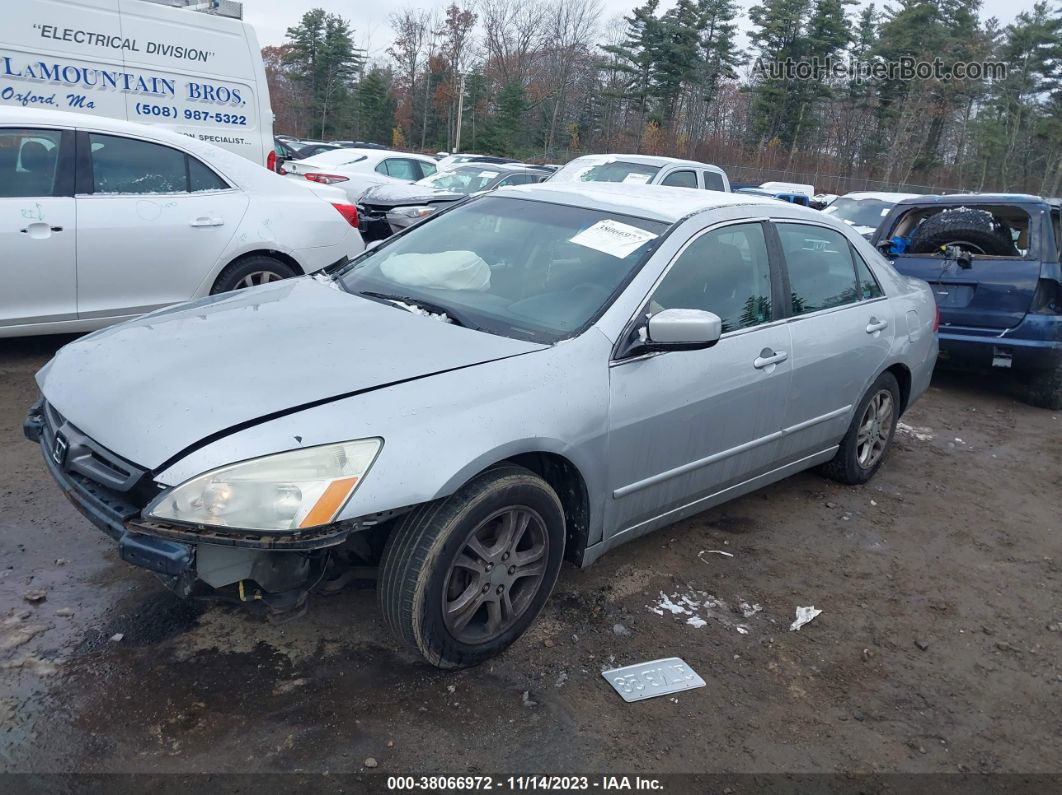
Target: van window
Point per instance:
(126, 165)
(819, 262)
(713, 180)
(680, 179)
(29, 162)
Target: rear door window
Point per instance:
(681, 179)
(713, 180)
(819, 262)
(868, 284)
(200, 177)
(128, 165)
(29, 162)
(399, 168)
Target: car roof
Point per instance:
(60, 118)
(646, 160)
(654, 202)
(977, 198)
(883, 195)
(499, 167)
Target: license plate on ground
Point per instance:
(651, 679)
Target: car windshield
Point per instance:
(859, 212)
(606, 171)
(466, 179)
(516, 267)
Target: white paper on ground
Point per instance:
(803, 616)
(614, 238)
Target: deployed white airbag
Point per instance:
(446, 270)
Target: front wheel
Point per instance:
(863, 448)
(464, 577)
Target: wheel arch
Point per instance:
(554, 467)
(902, 373)
(281, 256)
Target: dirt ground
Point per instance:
(937, 649)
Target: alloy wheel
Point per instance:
(875, 428)
(495, 576)
(256, 278)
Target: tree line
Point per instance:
(547, 80)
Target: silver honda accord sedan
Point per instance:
(535, 375)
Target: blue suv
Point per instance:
(993, 263)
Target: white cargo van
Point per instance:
(148, 61)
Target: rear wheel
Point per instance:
(863, 448)
(251, 272)
(464, 577)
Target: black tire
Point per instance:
(1044, 388)
(428, 553)
(977, 231)
(248, 268)
(846, 466)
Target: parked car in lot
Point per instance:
(357, 170)
(103, 219)
(793, 198)
(387, 209)
(358, 145)
(993, 263)
(453, 161)
(864, 211)
(539, 373)
(643, 170)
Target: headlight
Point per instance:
(414, 212)
(285, 491)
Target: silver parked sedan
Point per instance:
(535, 375)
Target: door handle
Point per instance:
(768, 357)
(876, 325)
(40, 230)
(204, 221)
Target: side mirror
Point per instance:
(683, 330)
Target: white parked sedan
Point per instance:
(103, 219)
(357, 170)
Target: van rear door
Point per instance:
(993, 293)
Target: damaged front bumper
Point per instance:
(276, 567)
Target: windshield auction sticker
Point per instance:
(614, 238)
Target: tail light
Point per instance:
(271, 161)
(348, 211)
(936, 320)
(325, 179)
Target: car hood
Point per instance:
(397, 194)
(151, 388)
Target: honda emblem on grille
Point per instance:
(59, 450)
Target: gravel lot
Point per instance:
(937, 649)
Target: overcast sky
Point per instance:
(271, 18)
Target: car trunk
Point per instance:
(993, 293)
